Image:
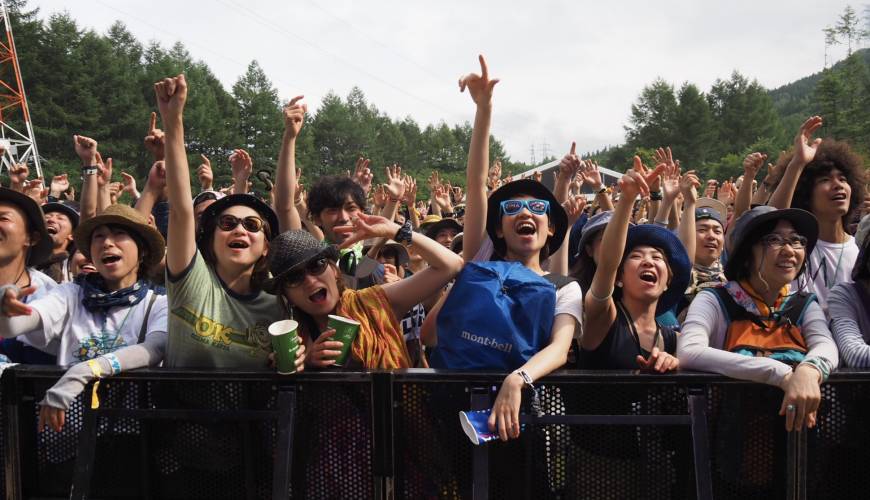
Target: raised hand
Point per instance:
(379, 197)
(129, 183)
(495, 172)
(362, 175)
(637, 180)
(725, 194)
(569, 165)
(115, 189)
(457, 193)
(18, 174)
(86, 149)
(70, 194)
(241, 164)
(157, 177)
(395, 185)
(670, 181)
(410, 191)
(59, 184)
(805, 146)
(205, 174)
(689, 184)
(155, 139)
(752, 164)
(442, 197)
(171, 97)
(574, 207)
(364, 226)
(391, 275)
(35, 189)
(294, 116)
(104, 170)
(434, 181)
(479, 86)
(592, 175)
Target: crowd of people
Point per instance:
(758, 279)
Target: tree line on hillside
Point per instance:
(100, 85)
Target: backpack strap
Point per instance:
(558, 280)
(144, 328)
(796, 307)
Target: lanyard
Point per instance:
(633, 330)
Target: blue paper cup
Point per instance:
(476, 426)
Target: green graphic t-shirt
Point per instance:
(212, 327)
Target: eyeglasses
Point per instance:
(537, 207)
(314, 268)
(251, 224)
(776, 242)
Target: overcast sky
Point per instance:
(568, 70)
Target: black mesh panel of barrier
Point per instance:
(223, 444)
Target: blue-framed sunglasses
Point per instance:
(537, 207)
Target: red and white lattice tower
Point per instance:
(19, 143)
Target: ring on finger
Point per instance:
(790, 408)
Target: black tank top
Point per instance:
(619, 349)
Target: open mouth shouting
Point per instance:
(649, 276)
(318, 297)
(525, 228)
(238, 244)
(51, 227)
(110, 260)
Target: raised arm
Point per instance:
(689, 183)
(155, 186)
(242, 167)
(86, 149)
(480, 88)
(404, 294)
(599, 307)
(181, 241)
(805, 148)
(104, 178)
(592, 178)
(285, 187)
(751, 165)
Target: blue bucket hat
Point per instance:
(675, 252)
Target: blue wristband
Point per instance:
(114, 363)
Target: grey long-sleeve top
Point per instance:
(702, 340)
(850, 324)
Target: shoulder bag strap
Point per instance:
(144, 328)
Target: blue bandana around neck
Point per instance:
(97, 299)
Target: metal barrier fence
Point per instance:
(199, 434)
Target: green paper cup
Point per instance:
(285, 342)
(345, 332)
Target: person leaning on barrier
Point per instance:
(849, 307)
(105, 322)
(219, 313)
(307, 277)
(642, 271)
(751, 328)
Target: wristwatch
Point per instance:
(527, 380)
(404, 234)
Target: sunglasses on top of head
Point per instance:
(251, 224)
(315, 268)
(537, 207)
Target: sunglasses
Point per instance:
(314, 268)
(537, 207)
(250, 223)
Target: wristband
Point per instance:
(655, 195)
(113, 362)
(446, 215)
(660, 223)
(601, 191)
(91, 170)
(820, 365)
(600, 299)
(404, 234)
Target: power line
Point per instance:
(375, 40)
(269, 24)
(193, 44)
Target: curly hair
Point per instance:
(832, 154)
(332, 191)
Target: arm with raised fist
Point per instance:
(286, 181)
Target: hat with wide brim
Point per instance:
(132, 220)
(290, 251)
(533, 188)
(678, 260)
(428, 221)
(739, 245)
(432, 230)
(42, 249)
(401, 252)
(593, 226)
(208, 220)
(65, 208)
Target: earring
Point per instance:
(619, 284)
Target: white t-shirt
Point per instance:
(83, 335)
(44, 285)
(828, 264)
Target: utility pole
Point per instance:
(19, 144)
(532, 154)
